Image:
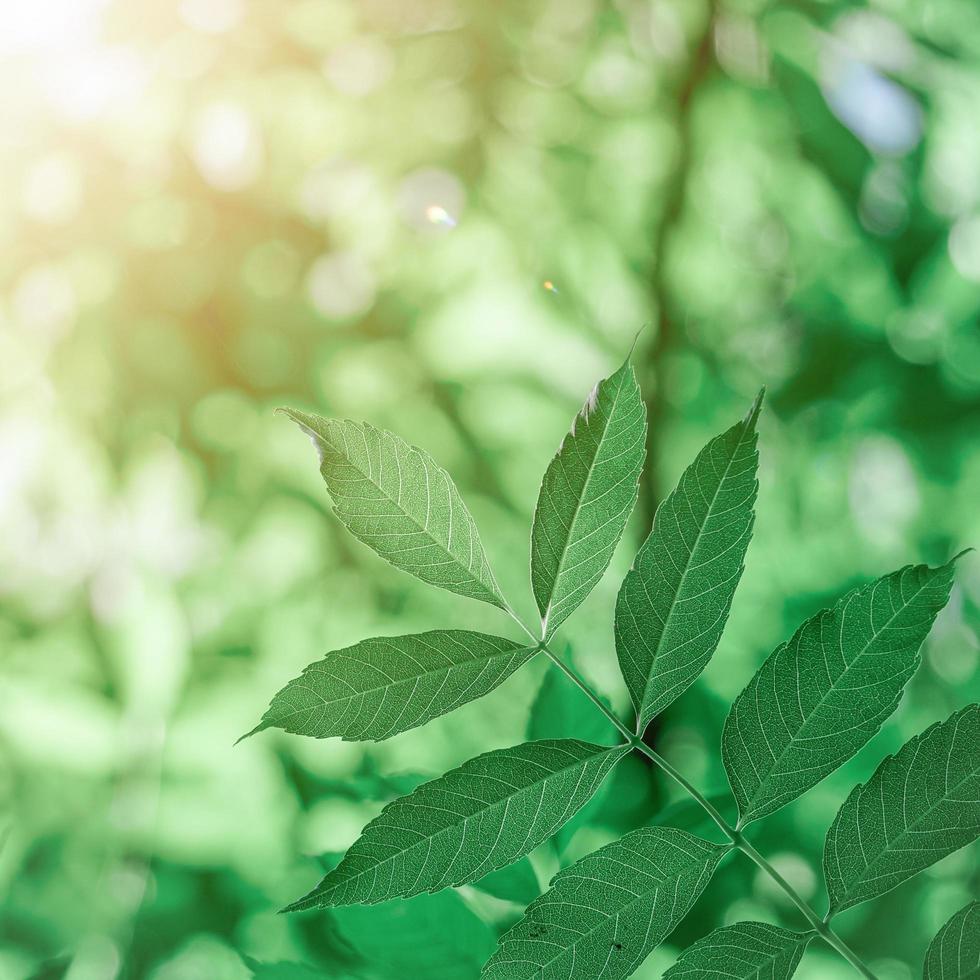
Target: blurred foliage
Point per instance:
(448, 218)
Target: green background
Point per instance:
(449, 218)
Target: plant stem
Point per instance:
(734, 834)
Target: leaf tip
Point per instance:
(261, 726)
(755, 408)
(960, 554)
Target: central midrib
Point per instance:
(687, 566)
(792, 741)
(453, 826)
(517, 648)
(493, 592)
(579, 501)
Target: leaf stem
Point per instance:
(734, 834)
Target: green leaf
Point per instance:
(517, 882)
(820, 697)
(674, 601)
(920, 805)
(400, 502)
(955, 952)
(586, 497)
(386, 685)
(435, 937)
(455, 829)
(743, 951)
(606, 913)
(561, 708)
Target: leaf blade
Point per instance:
(606, 913)
(742, 951)
(398, 501)
(417, 844)
(586, 497)
(381, 686)
(954, 953)
(694, 554)
(868, 850)
(821, 696)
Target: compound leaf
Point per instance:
(473, 820)
(920, 805)
(606, 913)
(586, 497)
(386, 685)
(820, 697)
(955, 952)
(674, 601)
(436, 937)
(743, 951)
(400, 502)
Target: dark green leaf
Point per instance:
(458, 828)
(435, 937)
(515, 883)
(920, 805)
(674, 601)
(284, 970)
(400, 502)
(386, 685)
(561, 709)
(605, 914)
(743, 951)
(955, 952)
(820, 697)
(588, 492)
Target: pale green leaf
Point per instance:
(955, 952)
(743, 951)
(920, 805)
(400, 502)
(435, 937)
(820, 697)
(586, 497)
(674, 601)
(386, 685)
(455, 829)
(605, 914)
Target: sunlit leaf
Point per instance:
(820, 697)
(674, 601)
(586, 497)
(743, 951)
(473, 820)
(386, 685)
(954, 954)
(920, 805)
(400, 502)
(605, 914)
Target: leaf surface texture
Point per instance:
(473, 820)
(386, 685)
(605, 914)
(954, 954)
(674, 601)
(920, 805)
(743, 951)
(820, 697)
(400, 502)
(586, 497)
